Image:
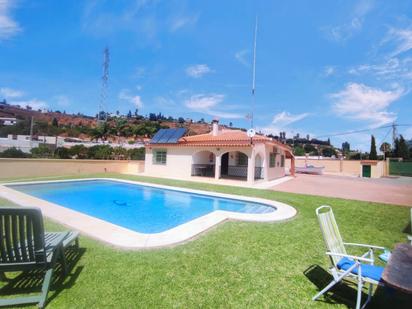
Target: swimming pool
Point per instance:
(140, 208)
(131, 214)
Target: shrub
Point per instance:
(79, 152)
(13, 153)
(100, 152)
(136, 153)
(120, 153)
(43, 151)
(62, 153)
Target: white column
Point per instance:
(251, 168)
(218, 164)
(266, 166)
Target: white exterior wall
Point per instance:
(277, 171)
(179, 160)
(178, 163)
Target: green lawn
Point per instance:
(236, 264)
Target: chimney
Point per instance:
(215, 127)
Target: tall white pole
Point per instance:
(254, 75)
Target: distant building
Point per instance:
(8, 121)
(25, 144)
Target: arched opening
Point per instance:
(203, 164)
(258, 167)
(234, 165)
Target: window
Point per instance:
(272, 159)
(282, 161)
(241, 159)
(159, 157)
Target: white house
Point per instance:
(221, 153)
(8, 121)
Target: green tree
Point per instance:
(385, 148)
(309, 148)
(55, 122)
(395, 152)
(299, 151)
(403, 151)
(328, 152)
(372, 154)
(101, 131)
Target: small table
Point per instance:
(398, 271)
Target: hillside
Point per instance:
(68, 123)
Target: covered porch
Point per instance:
(233, 164)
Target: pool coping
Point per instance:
(124, 238)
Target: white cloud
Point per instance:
(394, 69)
(241, 57)
(198, 70)
(8, 26)
(33, 103)
(345, 31)
(16, 97)
(207, 104)
(282, 122)
(284, 119)
(202, 101)
(137, 18)
(329, 70)
(165, 102)
(401, 39)
(136, 100)
(360, 102)
(182, 21)
(10, 93)
(62, 100)
(139, 72)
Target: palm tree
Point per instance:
(101, 131)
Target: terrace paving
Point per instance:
(382, 190)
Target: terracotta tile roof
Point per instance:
(230, 138)
(223, 136)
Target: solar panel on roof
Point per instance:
(167, 136)
(157, 136)
(176, 134)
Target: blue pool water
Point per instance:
(140, 208)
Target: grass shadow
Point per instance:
(407, 229)
(30, 282)
(343, 293)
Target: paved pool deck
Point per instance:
(382, 190)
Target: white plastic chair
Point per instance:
(344, 266)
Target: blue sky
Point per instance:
(323, 67)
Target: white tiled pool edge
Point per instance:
(127, 239)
